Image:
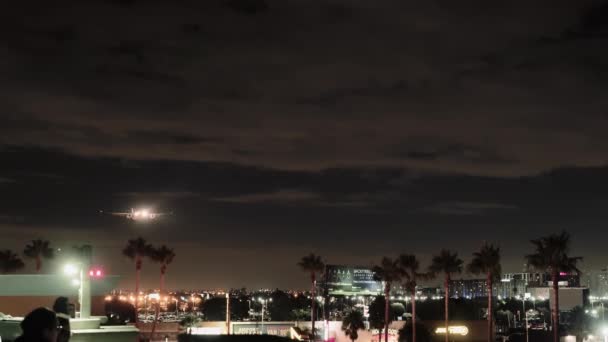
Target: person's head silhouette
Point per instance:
(40, 325)
(61, 305)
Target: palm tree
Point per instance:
(409, 266)
(448, 263)
(164, 256)
(580, 324)
(551, 256)
(10, 262)
(487, 261)
(38, 250)
(312, 264)
(387, 272)
(190, 322)
(352, 323)
(137, 250)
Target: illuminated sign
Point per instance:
(346, 280)
(247, 328)
(206, 331)
(378, 335)
(454, 330)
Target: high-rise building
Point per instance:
(468, 288)
(596, 281)
(514, 284)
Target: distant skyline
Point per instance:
(273, 128)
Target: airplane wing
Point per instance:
(155, 215)
(114, 213)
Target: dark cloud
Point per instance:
(372, 89)
(351, 121)
(466, 208)
(231, 206)
(311, 85)
(162, 137)
(432, 149)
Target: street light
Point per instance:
(84, 287)
(228, 312)
(77, 270)
(523, 303)
(605, 333)
(264, 306)
(70, 269)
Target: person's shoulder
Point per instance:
(62, 315)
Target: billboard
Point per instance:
(258, 328)
(351, 281)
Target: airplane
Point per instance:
(137, 214)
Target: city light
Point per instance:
(454, 330)
(70, 269)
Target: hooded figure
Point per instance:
(40, 325)
(61, 310)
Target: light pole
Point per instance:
(84, 286)
(264, 306)
(523, 303)
(228, 313)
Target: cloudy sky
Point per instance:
(272, 128)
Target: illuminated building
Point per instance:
(468, 288)
(597, 282)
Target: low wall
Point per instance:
(21, 293)
(83, 330)
(21, 305)
(475, 330)
(169, 330)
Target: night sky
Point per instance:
(353, 129)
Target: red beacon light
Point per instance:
(96, 273)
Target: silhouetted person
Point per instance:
(61, 308)
(40, 325)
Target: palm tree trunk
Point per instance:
(38, 264)
(387, 291)
(414, 314)
(555, 313)
(312, 305)
(489, 282)
(162, 285)
(138, 263)
(163, 271)
(447, 303)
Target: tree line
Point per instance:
(550, 254)
(37, 250)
